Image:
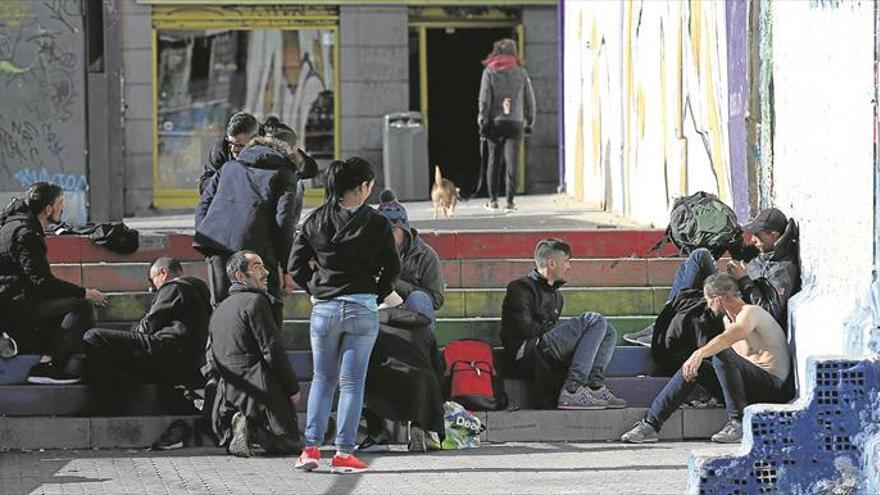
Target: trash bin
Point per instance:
(405, 156)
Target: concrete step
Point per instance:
(460, 303)
(607, 243)
(620, 272)
(501, 426)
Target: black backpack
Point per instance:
(115, 236)
(701, 220)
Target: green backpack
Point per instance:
(701, 220)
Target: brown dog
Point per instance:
(444, 194)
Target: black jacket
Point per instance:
(405, 372)
(249, 205)
(353, 254)
(180, 310)
(684, 325)
(25, 275)
(220, 154)
(420, 270)
(246, 352)
(531, 307)
(774, 276)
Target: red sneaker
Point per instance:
(347, 465)
(308, 460)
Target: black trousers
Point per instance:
(53, 327)
(504, 143)
(116, 358)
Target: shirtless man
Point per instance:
(748, 363)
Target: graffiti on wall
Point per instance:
(646, 104)
(42, 134)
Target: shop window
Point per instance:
(205, 76)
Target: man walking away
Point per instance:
(45, 314)
(532, 334)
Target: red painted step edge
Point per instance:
(449, 245)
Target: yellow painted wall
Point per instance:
(645, 104)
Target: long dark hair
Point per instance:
(344, 176)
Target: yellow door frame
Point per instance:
(243, 18)
(422, 27)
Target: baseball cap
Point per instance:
(769, 219)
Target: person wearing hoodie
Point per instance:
(44, 314)
(345, 258)
(167, 346)
(306, 166)
(250, 204)
(534, 338)
(506, 112)
(420, 285)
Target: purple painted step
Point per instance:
(627, 361)
(76, 400)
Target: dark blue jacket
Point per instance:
(249, 204)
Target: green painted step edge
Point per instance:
(296, 332)
(460, 303)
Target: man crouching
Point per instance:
(257, 387)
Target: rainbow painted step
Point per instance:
(606, 243)
(460, 303)
(621, 272)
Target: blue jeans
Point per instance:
(585, 344)
(342, 336)
(726, 375)
(693, 272)
(420, 302)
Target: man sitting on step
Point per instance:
(257, 387)
(533, 337)
(748, 363)
(44, 314)
(167, 346)
(420, 285)
(773, 266)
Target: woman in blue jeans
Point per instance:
(346, 259)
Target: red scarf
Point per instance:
(501, 63)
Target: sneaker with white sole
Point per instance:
(374, 444)
(51, 373)
(309, 458)
(731, 433)
(347, 465)
(240, 445)
(642, 337)
(641, 432)
(612, 401)
(580, 399)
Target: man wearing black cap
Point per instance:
(768, 280)
(776, 238)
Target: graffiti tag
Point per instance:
(68, 182)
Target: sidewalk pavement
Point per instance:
(544, 212)
(547, 468)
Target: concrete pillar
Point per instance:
(541, 58)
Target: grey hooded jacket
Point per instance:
(496, 86)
